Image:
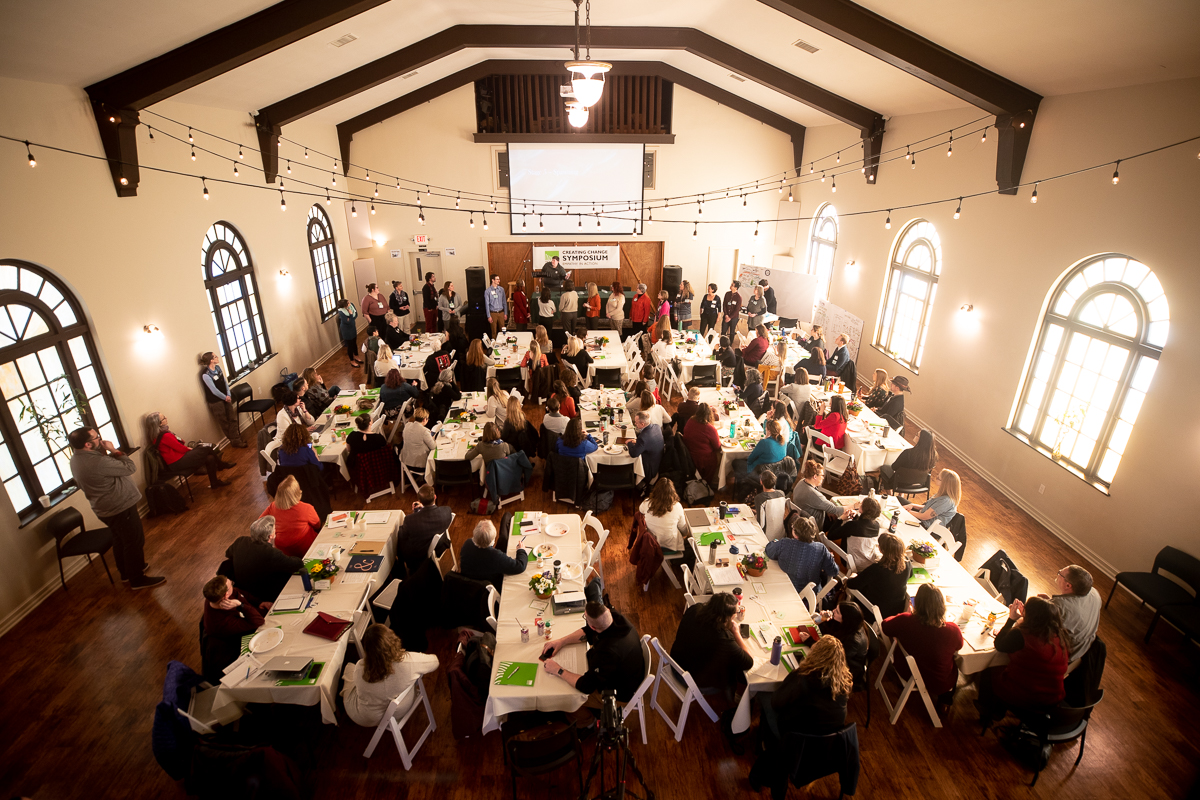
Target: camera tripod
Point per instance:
(617, 742)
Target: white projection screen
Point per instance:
(543, 177)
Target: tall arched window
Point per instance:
(908, 297)
(51, 382)
(324, 262)
(233, 299)
(822, 248)
(1100, 339)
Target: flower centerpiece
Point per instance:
(753, 564)
(321, 571)
(730, 406)
(604, 340)
(342, 408)
(854, 408)
(543, 584)
(922, 549)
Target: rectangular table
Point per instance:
(456, 436)
(341, 600)
(862, 434)
(331, 445)
(548, 692)
(749, 431)
(605, 356)
(622, 427)
(410, 356)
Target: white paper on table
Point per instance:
(292, 602)
(979, 639)
(350, 580)
(570, 597)
(763, 668)
(741, 527)
(724, 576)
(376, 517)
(339, 520)
(572, 658)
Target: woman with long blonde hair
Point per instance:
(944, 505)
(497, 402)
(592, 306)
(296, 522)
(542, 337)
(383, 362)
(385, 671)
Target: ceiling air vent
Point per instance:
(737, 77)
(412, 74)
(345, 40)
(805, 46)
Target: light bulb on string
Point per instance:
(242, 157)
(1033, 198)
(204, 186)
(914, 161)
(372, 209)
(151, 130)
(522, 222)
(541, 225)
(781, 185)
(123, 180)
(306, 152)
(333, 178)
(958, 211)
(651, 219)
(756, 227)
(421, 217)
(597, 220)
(485, 225)
(193, 154)
(335, 163)
(281, 182)
(191, 139)
(811, 167)
(887, 223)
(700, 207)
(581, 221)
(353, 210)
(950, 150)
(282, 201)
(397, 184)
(289, 165)
(328, 199)
(368, 178)
(377, 190)
(28, 152)
(427, 190)
(493, 205)
(235, 170)
(835, 183)
(790, 194)
(418, 198)
(696, 230)
(744, 201)
(457, 199)
(908, 154)
(983, 139)
(839, 156)
(472, 222)
(1117, 174)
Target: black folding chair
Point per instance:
(242, 396)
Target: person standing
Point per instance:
(400, 306)
(496, 305)
(710, 309)
(374, 305)
(347, 318)
(448, 303)
(216, 396)
(731, 307)
(592, 306)
(520, 310)
(104, 474)
(568, 305)
(615, 308)
(683, 304)
(769, 296)
(429, 303)
(553, 275)
(642, 311)
(756, 306)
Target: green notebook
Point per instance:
(711, 536)
(920, 575)
(516, 673)
(308, 678)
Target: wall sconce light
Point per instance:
(849, 263)
(151, 329)
(966, 307)
(283, 273)
(380, 241)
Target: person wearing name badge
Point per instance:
(347, 321)
(731, 308)
(710, 309)
(769, 297)
(839, 356)
(374, 305)
(496, 305)
(756, 306)
(386, 671)
(592, 306)
(429, 304)
(615, 307)
(399, 303)
(641, 311)
(217, 398)
(520, 308)
(292, 413)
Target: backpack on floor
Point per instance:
(597, 502)
(484, 506)
(164, 498)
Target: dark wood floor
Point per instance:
(84, 671)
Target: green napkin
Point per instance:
(711, 536)
(920, 575)
(307, 679)
(320, 449)
(516, 673)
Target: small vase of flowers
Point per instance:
(604, 340)
(321, 572)
(854, 408)
(754, 564)
(922, 550)
(730, 406)
(543, 584)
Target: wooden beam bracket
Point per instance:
(118, 135)
(1014, 132)
(268, 145)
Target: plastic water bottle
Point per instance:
(732, 428)
(895, 521)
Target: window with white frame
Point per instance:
(822, 248)
(903, 321)
(324, 262)
(51, 382)
(1099, 344)
(233, 299)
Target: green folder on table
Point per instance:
(516, 673)
(307, 678)
(709, 537)
(920, 575)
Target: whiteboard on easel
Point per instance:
(834, 321)
(795, 292)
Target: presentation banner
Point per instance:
(587, 257)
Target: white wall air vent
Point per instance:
(345, 40)
(737, 77)
(805, 46)
(406, 76)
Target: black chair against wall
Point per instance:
(84, 543)
(541, 750)
(168, 472)
(1184, 616)
(242, 396)
(1159, 590)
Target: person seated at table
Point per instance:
(840, 355)
(497, 402)
(686, 408)
(296, 449)
(664, 349)
(833, 424)
(262, 569)
(703, 444)
(776, 355)
(491, 446)
(725, 355)
(542, 337)
(384, 362)
(456, 338)
(296, 522)
(178, 456)
(534, 355)
(385, 671)
(576, 353)
(892, 409)
(877, 393)
(317, 398)
(575, 442)
(664, 516)
(292, 413)
(392, 335)
(362, 440)
(554, 421)
(417, 444)
(801, 557)
(651, 383)
(635, 394)
(767, 490)
(518, 431)
(1078, 604)
(814, 339)
(859, 536)
(395, 392)
(753, 394)
(647, 405)
(571, 382)
(1037, 643)
(442, 395)
(814, 364)
(426, 521)
(769, 450)
(437, 362)
(845, 623)
(778, 411)
(811, 501)
(485, 558)
(566, 403)
(942, 506)
(798, 390)
(932, 641)
(753, 352)
(921, 457)
(229, 614)
(648, 445)
(885, 583)
(614, 656)
(472, 374)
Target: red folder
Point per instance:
(327, 626)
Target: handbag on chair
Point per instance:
(847, 483)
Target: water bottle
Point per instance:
(895, 521)
(732, 428)
(712, 552)
(306, 580)
(776, 651)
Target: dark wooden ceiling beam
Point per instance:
(901, 48)
(203, 59)
(347, 129)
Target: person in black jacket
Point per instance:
(732, 308)
(709, 646)
(845, 623)
(921, 457)
(429, 304)
(885, 583)
(426, 521)
(769, 296)
(892, 409)
(485, 558)
(261, 568)
(710, 309)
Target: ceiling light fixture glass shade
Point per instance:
(587, 78)
(577, 113)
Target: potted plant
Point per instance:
(604, 341)
(922, 550)
(543, 584)
(321, 572)
(753, 564)
(854, 408)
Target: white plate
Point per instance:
(556, 529)
(614, 449)
(546, 550)
(571, 572)
(450, 426)
(266, 640)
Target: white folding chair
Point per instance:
(670, 673)
(808, 596)
(200, 714)
(914, 682)
(437, 540)
(268, 453)
(816, 440)
(493, 607)
(387, 598)
(942, 535)
(594, 559)
(700, 575)
(673, 382)
(826, 589)
(984, 578)
(396, 727)
(874, 609)
(770, 517)
(406, 474)
(713, 337)
(851, 564)
(637, 703)
(836, 461)
(390, 490)
(691, 589)
(359, 622)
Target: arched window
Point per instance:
(51, 382)
(324, 262)
(908, 297)
(822, 248)
(233, 299)
(1103, 331)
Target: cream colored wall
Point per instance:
(1004, 255)
(434, 143)
(135, 261)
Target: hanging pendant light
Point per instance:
(577, 113)
(587, 76)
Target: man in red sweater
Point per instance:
(229, 614)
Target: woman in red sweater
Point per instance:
(702, 442)
(930, 640)
(833, 424)
(296, 523)
(753, 352)
(1037, 645)
(179, 456)
(520, 307)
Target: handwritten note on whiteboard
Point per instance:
(836, 320)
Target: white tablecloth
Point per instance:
(341, 600)
(549, 692)
(749, 431)
(410, 357)
(862, 433)
(453, 443)
(605, 356)
(331, 445)
(589, 411)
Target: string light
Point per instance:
(333, 178)
(493, 204)
(368, 178)
(950, 150)
(887, 223)
(1117, 174)
(811, 167)
(328, 199)
(419, 199)
(289, 165)
(123, 180)
(541, 225)
(457, 199)
(835, 183)
(28, 152)
(756, 227)
(421, 217)
(372, 209)
(335, 163)
(983, 139)
(377, 190)
(353, 210)
(958, 211)
(696, 230)
(235, 170)
(151, 133)
(781, 185)
(282, 201)
(822, 177)
(472, 222)
(839, 156)
(485, 227)
(427, 190)
(1033, 199)
(193, 154)
(397, 183)
(597, 220)
(743, 201)
(700, 206)
(240, 156)
(204, 185)
(908, 153)
(651, 220)
(306, 152)
(871, 177)
(191, 140)
(790, 194)
(522, 222)
(581, 221)
(914, 161)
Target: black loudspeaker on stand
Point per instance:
(476, 283)
(672, 277)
